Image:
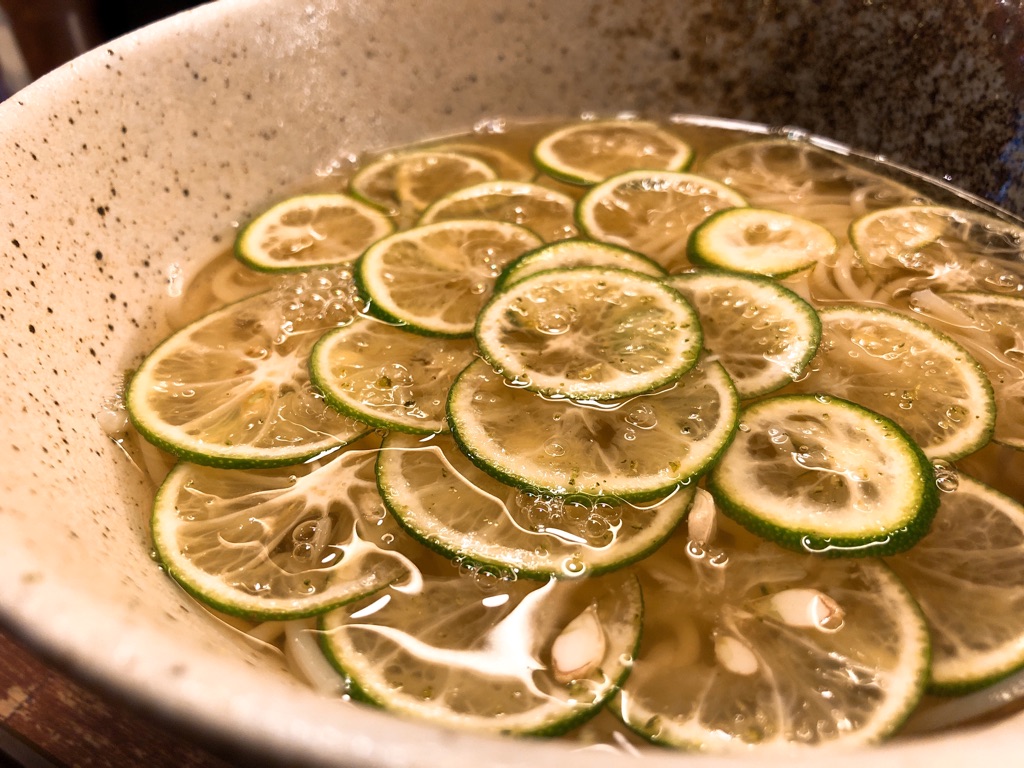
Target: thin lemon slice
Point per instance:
(576, 253)
(967, 575)
(805, 180)
(435, 278)
(545, 211)
(638, 448)
(281, 543)
(991, 328)
(446, 502)
(755, 648)
(589, 333)
(520, 658)
(761, 241)
(653, 212)
(407, 182)
(899, 367)
(821, 474)
(942, 248)
(233, 389)
(387, 377)
(589, 152)
(310, 231)
(763, 333)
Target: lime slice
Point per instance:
(576, 253)
(945, 249)
(901, 368)
(547, 212)
(310, 231)
(279, 543)
(641, 447)
(990, 326)
(967, 575)
(760, 241)
(407, 182)
(233, 389)
(387, 377)
(764, 649)
(589, 152)
(520, 657)
(589, 333)
(434, 279)
(653, 212)
(804, 180)
(443, 500)
(504, 164)
(821, 474)
(763, 333)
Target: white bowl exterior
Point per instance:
(139, 159)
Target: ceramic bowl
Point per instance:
(127, 168)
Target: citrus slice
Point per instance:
(233, 389)
(435, 278)
(576, 253)
(805, 180)
(407, 182)
(589, 333)
(967, 574)
(760, 241)
(547, 212)
(639, 448)
(387, 377)
(309, 231)
(447, 503)
(521, 658)
(763, 333)
(941, 248)
(653, 212)
(589, 152)
(757, 648)
(899, 367)
(504, 164)
(821, 474)
(279, 543)
(990, 326)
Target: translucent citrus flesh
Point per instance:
(762, 333)
(451, 505)
(311, 231)
(653, 212)
(387, 377)
(436, 278)
(576, 253)
(589, 333)
(640, 447)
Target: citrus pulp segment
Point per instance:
(761, 332)
(405, 183)
(576, 253)
(589, 152)
(760, 241)
(589, 333)
(446, 502)
(653, 212)
(641, 447)
(281, 543)
(434, 279)
(821, 474)
(967, 574)
(942, 248)
(309, 231)
(902, 368)
(521, 658)
(750, 648)
(233, 389)
(544, 211)
(387, 377)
